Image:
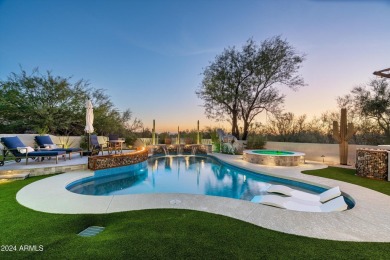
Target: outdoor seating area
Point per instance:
(44, 142)
(40, 147)
(115, 143)
(14, 146)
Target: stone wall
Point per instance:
(116, 160)
(174, 149)
(143, 142)
(372, 163)
(45, 170)
(273, 160)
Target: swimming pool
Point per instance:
(183, 174)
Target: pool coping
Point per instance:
(367, 221)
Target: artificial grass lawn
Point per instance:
(151, 234)
(348, 175)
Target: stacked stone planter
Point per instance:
(117, 160)
(372, 163)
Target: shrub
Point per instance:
(130, 139)
(255, 142)
(162, 137)
(228, 148)
(216, 147)
(84, 142)
(215, 141)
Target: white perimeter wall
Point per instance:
(314, 151)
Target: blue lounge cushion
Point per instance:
(46, 153)
(95, 141)
(68, 150)
(43, 140)
(13, 142)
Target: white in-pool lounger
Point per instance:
(291, 203)
(276, 200)
(323, 197)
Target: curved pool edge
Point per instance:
(49, 195)
(263, 171)
(103, 173)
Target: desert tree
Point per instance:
(239, 85)
(45, 103)
(32, 102)
(287, 127)
(371, 103)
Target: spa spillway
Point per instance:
(274, 157)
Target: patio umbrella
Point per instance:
(89, 120)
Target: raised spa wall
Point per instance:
(274, 160)
(116, 160)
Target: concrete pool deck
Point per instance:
(367, 221)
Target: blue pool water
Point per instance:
(183, 174)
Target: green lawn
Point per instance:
(348, 175)
(151, 234)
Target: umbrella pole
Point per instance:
(89, 141)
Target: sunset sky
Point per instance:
(149, 55)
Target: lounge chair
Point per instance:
(291, 203)
(278, 200)
(114, 143)
(45, 142)
(22, 151)
(323, 197)
(96, 146)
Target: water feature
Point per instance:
(179, 149)
(166, 151)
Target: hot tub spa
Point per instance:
(274, 157)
